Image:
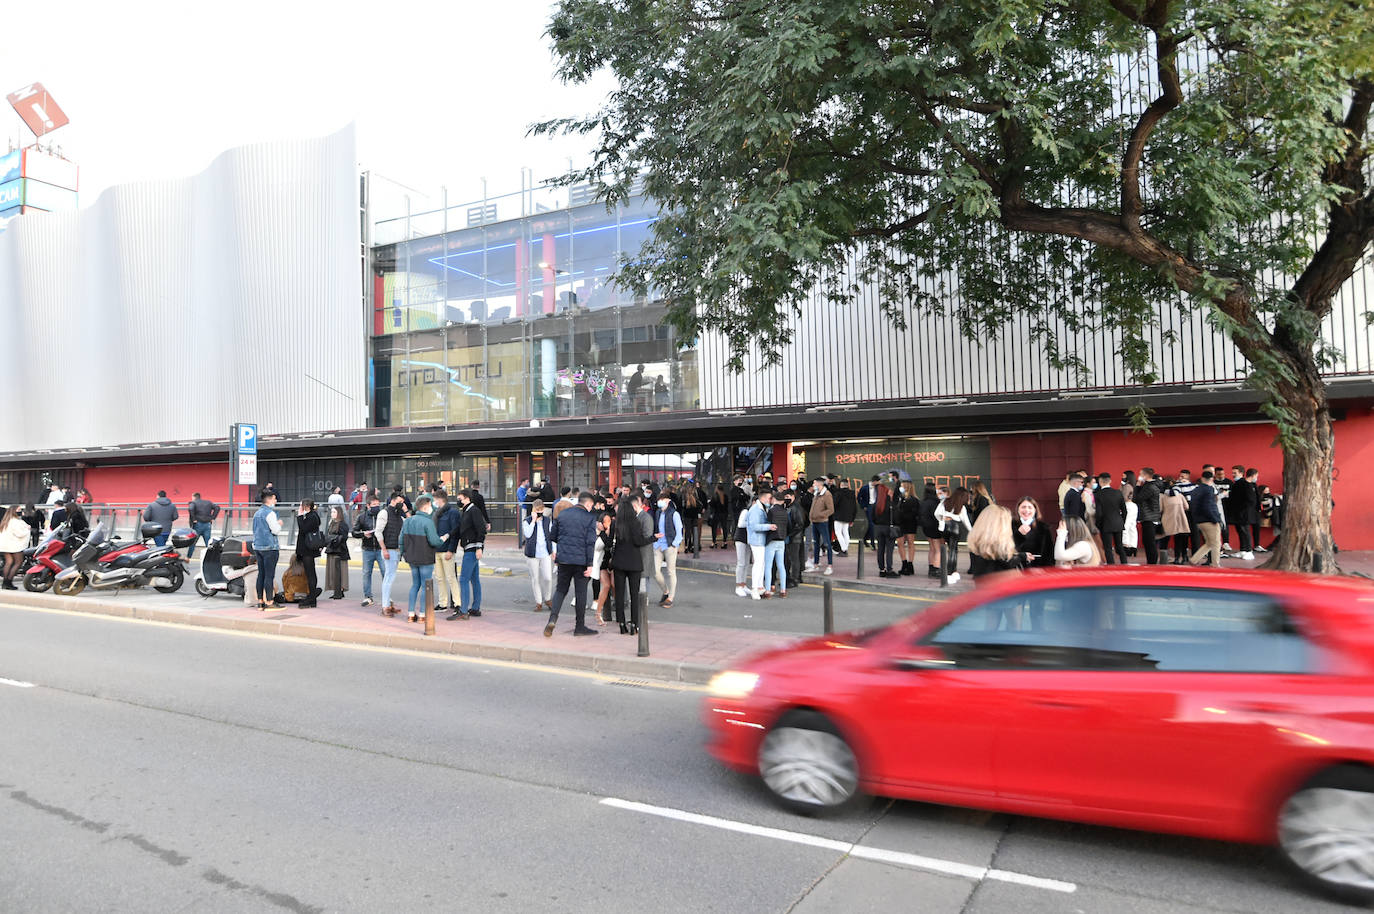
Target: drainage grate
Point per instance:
(637, 683)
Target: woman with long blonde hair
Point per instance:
(990, 544)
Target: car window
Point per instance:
(1128, 628)
(1178, 628)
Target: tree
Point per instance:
(1073, 161)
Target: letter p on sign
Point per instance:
(248, 438)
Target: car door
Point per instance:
(937, 707)
(1177, 712)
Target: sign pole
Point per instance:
(233, 471)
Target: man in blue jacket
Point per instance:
(1206, 514)
(574, 539)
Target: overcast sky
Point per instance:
(442, 92)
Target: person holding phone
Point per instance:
(1031, 534)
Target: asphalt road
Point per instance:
(158, 768)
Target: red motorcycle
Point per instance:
(51, 557)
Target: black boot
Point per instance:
(933, 572)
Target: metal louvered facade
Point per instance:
(168, 310)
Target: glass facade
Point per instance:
(522, 320)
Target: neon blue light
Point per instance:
(453, 380)
(540, 240)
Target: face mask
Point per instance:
(663, 504)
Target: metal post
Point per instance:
(644, 623)
(828, 607)
(859, 561)
(429, 604)
(944, 562)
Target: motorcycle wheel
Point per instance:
(203, 589)
(177, 578)
(70, 587)
(38, 583)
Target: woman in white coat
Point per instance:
(14, 539)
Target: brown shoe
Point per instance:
(391, 610)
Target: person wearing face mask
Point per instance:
(420, 545)
(538, 555)
(667, 539)
(822, 509)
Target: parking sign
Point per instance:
(247, 438)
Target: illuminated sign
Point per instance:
(943, 461)
(38, 109)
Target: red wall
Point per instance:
(139, 485)
(1034, 465)
(1169, 450)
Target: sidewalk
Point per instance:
(679, 652)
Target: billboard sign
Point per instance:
(37, 109)
(10, 166)
(47, 197)
(49, 169)
(248, 469)
(12, 194)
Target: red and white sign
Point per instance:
(248, 470)
(37, 109)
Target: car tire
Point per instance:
(808, 765)
(1326, 831)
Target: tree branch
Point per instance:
(1171, 95)
(891, 231)
(964, 152)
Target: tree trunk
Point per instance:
(1305, 541)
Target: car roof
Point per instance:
(1171, 576)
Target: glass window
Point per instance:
(1165, 628)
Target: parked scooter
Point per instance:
(49, 558)
(223, 566)
(100, 567)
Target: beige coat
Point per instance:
(1173, 514)
(822, 507)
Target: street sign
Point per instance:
(247, 436)
(248, 469)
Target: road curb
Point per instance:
(606, 664)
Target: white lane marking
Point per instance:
(877, 854)
(16, 683)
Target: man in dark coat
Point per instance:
(574, 538)
(1242, 509)
(846, 509)
(1111, 518)
(1147, 492)
(1073, 499)
(161, 511)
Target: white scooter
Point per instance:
(223, 566)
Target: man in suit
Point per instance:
(1242, 510)
(1073, 498)
(1111, 519)
(868, 498)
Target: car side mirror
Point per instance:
(923, 657)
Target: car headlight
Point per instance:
(732, 684)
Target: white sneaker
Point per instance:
(1260, 549)
(828, 570)
(740, 591)
(810, 566)
(755, 595)
(954, 578)
(1248, 556)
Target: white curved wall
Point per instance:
(169, 310)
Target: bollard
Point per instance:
(644, 624)
(828, 607)
(429, 605)
(859, 566)
(944, 563)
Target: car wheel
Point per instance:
(1326, 830)
(807, 764)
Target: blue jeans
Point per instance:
(389, 567)
(470, 581)
(775, 556)
(820, 536)
(418, 575)
(161, 539)
(202, 529)
(371, 557)
(267, 573)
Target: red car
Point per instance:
(1232, 705)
